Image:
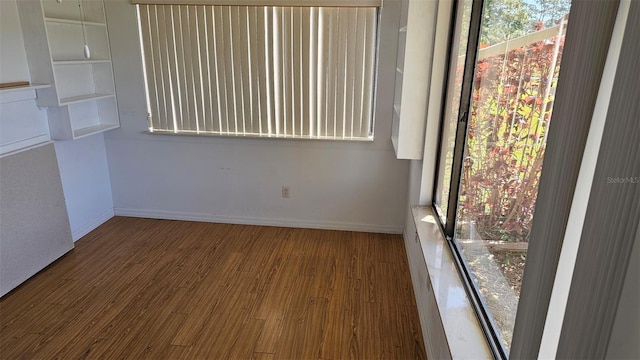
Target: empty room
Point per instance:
(319, 179)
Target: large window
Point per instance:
(504, 66)
(266, 71)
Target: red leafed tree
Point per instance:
(513, 96)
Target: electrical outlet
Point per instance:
(285, 192)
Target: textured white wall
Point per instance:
(34, 230)
(341, 185)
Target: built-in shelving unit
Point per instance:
(81, 100)
(413, 66)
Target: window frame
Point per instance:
(579, 86)
(487, 324)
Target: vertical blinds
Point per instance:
(304, 72)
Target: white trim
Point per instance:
(24, 145)
(437, 89)
(573, 232)
(77, 234)
(4, 152)
(245, 220)
(522, 41)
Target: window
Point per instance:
(504, 64)
(264, 71)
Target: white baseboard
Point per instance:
(326, 225)
(83, 230)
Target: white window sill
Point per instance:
(462, 330)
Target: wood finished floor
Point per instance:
(158, 289)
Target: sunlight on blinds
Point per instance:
(301, 72)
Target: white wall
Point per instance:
(85, 181)
(415, 188)
(13, 58)
(341, 185)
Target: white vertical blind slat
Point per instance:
(264, 71)
(161, 119)
(247, 73)
(203, 79)
(369, 55)
(360, 74)
(276, 67)
(147, 42)
(214, 72)
(261, 71)
(285, 24)
(232, 59)
(240, 53)
(313, 69)
(297, 72)
(341, 77)
(292, 76)
(305, 34)
(328, 97)
(196, 70)
(352, 55)
(185, 71)
(319, 85)
(222, 49)
(252, 75)
(268, 58)
(172, 69)
(167, 121)
(178, 97)
(333, 75)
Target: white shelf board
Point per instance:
(24, 88)
(80, 62)
(20, 93)
(83, 98)
(73, 22)
(88, 131)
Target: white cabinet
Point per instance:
(81, 100)
(413, 73)
(22, 125)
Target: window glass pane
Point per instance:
(452, 105)
(521, 43)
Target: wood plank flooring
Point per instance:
(158, 289)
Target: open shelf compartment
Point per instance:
(83, 118)
(93, 10)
